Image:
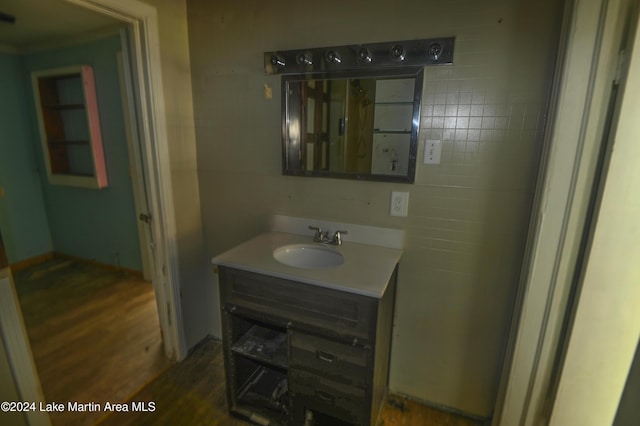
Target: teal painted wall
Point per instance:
(89, 223)
(23, 216)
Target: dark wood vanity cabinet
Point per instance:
(302, 354)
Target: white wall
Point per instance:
(467, 217)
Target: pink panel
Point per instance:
(94, 126)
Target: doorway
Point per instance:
(172, 335)
(593, 67)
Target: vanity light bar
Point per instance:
(434, 51)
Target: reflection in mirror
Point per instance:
(361, 126)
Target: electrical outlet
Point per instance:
(399, 203)
(432, 151)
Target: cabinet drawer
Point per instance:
(335, 360)
(316, 393)
(318, 308)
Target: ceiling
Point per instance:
(45, 21)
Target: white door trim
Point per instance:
(593, 36)
(145, 56)
(135, 172)
(606, 326)
(16, 343)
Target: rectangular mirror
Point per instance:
(357, 124)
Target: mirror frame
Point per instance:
(291, 152)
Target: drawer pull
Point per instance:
(326, 356)
(326, 397)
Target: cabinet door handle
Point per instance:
(326, 356)
(326, 397)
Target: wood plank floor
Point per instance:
(192, 393)
(94, 334)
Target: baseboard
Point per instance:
(137, 274)
(476, 418)
(23, 264)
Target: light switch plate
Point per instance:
(399, 203)
(432, 151)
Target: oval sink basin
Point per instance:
(308, 256)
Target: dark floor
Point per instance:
(190, 393)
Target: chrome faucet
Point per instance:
(323, 237)
(318, 237)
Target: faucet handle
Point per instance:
(337, 237)
(318, 235)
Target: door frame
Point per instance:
(589, 61)
(144, 54)
(140, 201)
(14, 337)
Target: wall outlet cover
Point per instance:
(432, 151)
(399, 203)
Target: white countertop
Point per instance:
(366, 269)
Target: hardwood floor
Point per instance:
(189, 393)
(193, 393)
(94, 334)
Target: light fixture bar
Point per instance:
(434, 51)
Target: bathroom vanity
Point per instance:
(307, 345)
